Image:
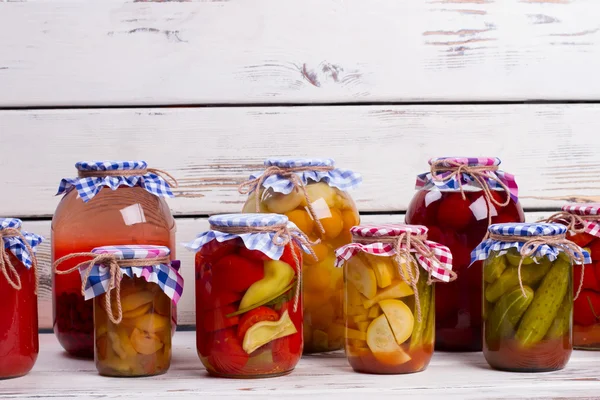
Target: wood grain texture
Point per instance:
(187, 229)
(452, 376)
(118, 52)
(552, 149)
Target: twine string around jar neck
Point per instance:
(114, 265)
(533, 243)
(288, 173)
(283, 236)
(574, 223)
(479, 175)
(170, 179)
(403, 245)
(6, 266)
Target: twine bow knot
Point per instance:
(114, 265)
(253, 185)
(574, 223)
(6, 266)
(283, 236)
(131, 172)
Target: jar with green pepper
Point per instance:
(528, 296)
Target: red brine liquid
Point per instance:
(460, 224)
(19, 344)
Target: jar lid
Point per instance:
(527, 229)
(110, 165)
(15, 223)
(376, 230)
(134, 252)
(247, 220)
(582, 208)
(470, 161)
(15, 244)
(299, 162)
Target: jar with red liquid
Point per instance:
(528, 296)
(389, 312)
(457, 200)
(248, 295)
(19, 345)
(583, 223)
(108, 202)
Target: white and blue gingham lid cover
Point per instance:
(16, 245)
(262, 241)
(483, 250)
(165, 276)
(89, 187)
(343, 179)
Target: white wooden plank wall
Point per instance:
(379, 85)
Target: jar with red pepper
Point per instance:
(457, 200)
(108, 202)
(19, 344)
(248, 297)
(583, 223)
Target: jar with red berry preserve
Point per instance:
(108, 202)
(457, 200)
(248, 295)
(583, 223)
(19, 344)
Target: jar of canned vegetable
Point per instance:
(312, 194)
(528, 296)
(248, 295)
(134, 288)
(108, 202)
(457, 200)
(583, 224)
(19, 344)
(389, 297)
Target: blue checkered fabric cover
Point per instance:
(165, 276)
(343, 179)
(254, 241)
(15, 244)
(87, 188)
(483, 250)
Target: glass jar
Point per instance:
(335, 211)
(583, 222)
(98, 209)
(19, 344)
(461, 223)
(248, 298)
(389, 303)
(527, 297)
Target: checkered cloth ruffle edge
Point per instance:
(483, 250)
(89, 187)
(343, 179)
(442, 253)
(448, 182)
(165, 276)
(591, 227)
(15, 244)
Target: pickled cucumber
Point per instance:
(561, 323)
(494, 268)
(543, 310)
(425, 293)
(530, 275)
(507, 312)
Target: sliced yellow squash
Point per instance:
(382, 343)
(397, 289)
(362, 277)
(399, 317)
(264, 332)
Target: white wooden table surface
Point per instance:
(451, 375)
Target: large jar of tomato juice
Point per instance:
(457, 200)
(109, 202)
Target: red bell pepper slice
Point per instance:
(214, 250)
(216, 319)
(586, 308)
(226, 355)
(236, 273)
(252, 317)
(253, 254)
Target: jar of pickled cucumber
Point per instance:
(312, 194)
(389, 297)
(108, 202)
(457, 200)
(19, 345)
(528, 296)
(134, 288)
(583, 224)
(248, 296)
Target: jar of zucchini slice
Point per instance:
(528, 296)
(389, 307)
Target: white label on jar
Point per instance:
(480, 209)
(431, 196)
(321, 209)
(133, 214)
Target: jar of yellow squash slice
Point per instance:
(312, 194)
(133, 290)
